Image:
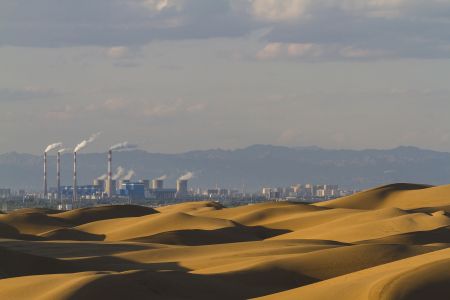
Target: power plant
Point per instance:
(109, 187)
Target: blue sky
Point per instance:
(174, 75)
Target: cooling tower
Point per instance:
(182, 188)
(158, 184)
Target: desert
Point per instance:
(390, 242)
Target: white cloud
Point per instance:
(118, 52)
(270, 51)
(315, 52)
(160, 5)
(278, 10)
(352, 29)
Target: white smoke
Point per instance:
(119, 173)
(53, 146)
(164, 177)
(187, 176)
(63, 150)
(123, 146)
(84, 143)
(130, 175)
(103, 177)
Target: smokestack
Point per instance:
(45, 175)
(109, 185)
(75, 196)
(58, 176)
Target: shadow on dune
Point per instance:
(15, 264)
(431, 210)
(10, 232)
(182, 285)
(118, 264)
(72, 234)
(439, 235)
(70, 249)
(91, 214)
(198, 237)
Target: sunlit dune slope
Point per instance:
(192, 207)
(33, 222)
(421, 277)
(373, 224)
(139, 227)
(404, 196)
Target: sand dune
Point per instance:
(404, 196)
(421, 277)
(192, 207)
(390, 242)
(87, 215)
(139, 227)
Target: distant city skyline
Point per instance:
(179, 75)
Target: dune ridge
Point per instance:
(390, 242)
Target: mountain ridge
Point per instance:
(251, 167)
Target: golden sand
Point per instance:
(390, 242)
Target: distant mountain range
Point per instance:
(252, 167)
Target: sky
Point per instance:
(177, 75)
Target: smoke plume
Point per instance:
(119, 173)
(123, 147)
(53, 146)
(130, 175)
(103, 177)
(164, 177)
(187, 176)
(61, 151)
(84, 143)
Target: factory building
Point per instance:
(132, 190)
(87, 191)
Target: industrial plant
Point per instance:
(108, 188)
(118, 185)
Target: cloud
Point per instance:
(108, 23)
(317, 52)
(297, 29)
(141, 108)
(364, 29)
(118, 52)
(26, 94)
(160, 5)
(278, 10)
